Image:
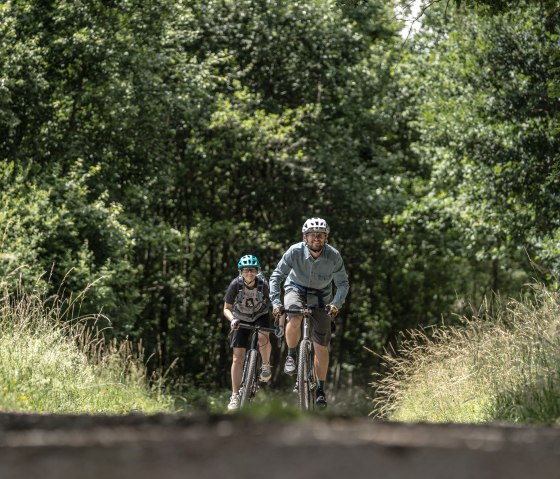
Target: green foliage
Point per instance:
(485, 195)
(145, 146)
(52, 362)
(500, 365)
(66, 232)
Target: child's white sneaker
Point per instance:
(233, 402)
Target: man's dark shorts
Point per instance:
(240, 337)
(320, 322)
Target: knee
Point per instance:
(295, 322)
(238, 358)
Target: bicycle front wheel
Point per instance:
(250, 376)
(303, 375)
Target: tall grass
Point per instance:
(52, 362)
(501, 365)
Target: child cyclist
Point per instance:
(246, 300)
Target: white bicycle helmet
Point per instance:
(315, 225)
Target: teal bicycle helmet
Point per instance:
(248, 261)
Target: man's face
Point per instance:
(315, 241)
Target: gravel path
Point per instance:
(169, 447)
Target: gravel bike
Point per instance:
(251, 365)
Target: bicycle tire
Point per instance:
(304, 393)
(250, 377)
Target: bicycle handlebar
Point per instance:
(252, 327)
(307, 310)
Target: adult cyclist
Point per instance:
(246, 300)
(308, 270)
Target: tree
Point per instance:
(484, 122)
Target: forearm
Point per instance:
(276, 279)
(278, 276)
(228, 312)
(342, 287)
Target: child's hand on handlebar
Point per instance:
(279, 331)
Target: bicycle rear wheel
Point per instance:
(250, 376)
(303, 376)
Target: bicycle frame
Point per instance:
(249, 379)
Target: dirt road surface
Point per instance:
(203, 447)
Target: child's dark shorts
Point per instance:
(240, 337)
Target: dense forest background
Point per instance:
(146, 145)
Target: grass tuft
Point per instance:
(51, 362)
(501, 365)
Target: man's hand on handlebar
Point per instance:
(332, 310)
(234, 324)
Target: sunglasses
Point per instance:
(317, 235)
(249, 270)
